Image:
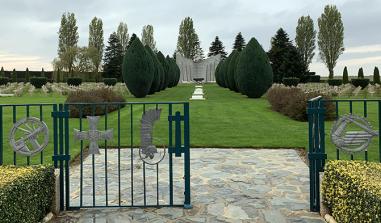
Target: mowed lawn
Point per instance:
(225, 119)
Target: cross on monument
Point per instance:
(93, 134)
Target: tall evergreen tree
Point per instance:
(113, 58)
(360, 74)
(330, 37)
(147, 37)
(122, 33)
(239, 42)
(284, 57)
(188, 44)
(376, 76)
(133, 37)
(217, 48)
(305, 40)
(345, 76)
(96, 45)
(2, 73)
(67, 40)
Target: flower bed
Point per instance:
(26, 193)
(352, 190)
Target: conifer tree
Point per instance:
(113, 58)
(239, 42)
(360, 74)
(216, 48)
(345, 76)
(376, 76)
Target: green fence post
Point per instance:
(187, 193)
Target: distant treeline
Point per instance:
(51, 76)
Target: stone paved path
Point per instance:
(228, 185)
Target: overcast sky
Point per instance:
(28, 28)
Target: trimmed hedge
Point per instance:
(98, 97)
(291, 81)
(292, 102)
(38, 82)
(164, 77)
(26, 193)
(155, 86)
(360, 82)
(217, 73)
(314, 78)
(110, 81)
(231, 71)
(255, 75)
(335, 82)
(74, 81)
(352, 190)
(138, 69)
(4, 80)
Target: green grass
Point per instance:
(225, 119)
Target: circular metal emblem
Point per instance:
(352, 133)
(151, 154)
(29, 136)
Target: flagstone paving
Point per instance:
(227, 185)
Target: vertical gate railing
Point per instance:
(316, 110)
(61, 124)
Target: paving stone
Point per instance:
(227, 185)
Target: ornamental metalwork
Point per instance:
(29, 136)
(93, 135)
(352, 133)
(148, 152)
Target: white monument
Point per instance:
(199, 69)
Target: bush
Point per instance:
(38, 82)
(155, 86)
(74, 81)
(292, 102)
(217, 73)
(171, 71)
(225, 71)
(352, 190)
(231, 71)
(94, 102)
(360, 74)
(335, 82)
(110, 81)
(4, 80)
(138, 70)
(360, 82)
(376, 76)
(255, 75)
(345, 76)
(26, 193)
(164, 77)
(314, 78)
(291, 81)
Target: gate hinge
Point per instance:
(61, 157)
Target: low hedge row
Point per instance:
(292, 102)
(74, 81)
(4, 80)
(352, 190)
(26, 193)
(291, 81)
(363, 82)
(335, 82)
(110, 81)
(38, 82)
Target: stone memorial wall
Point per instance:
(200, 69)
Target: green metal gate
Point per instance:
(317, 154)
(117, 177)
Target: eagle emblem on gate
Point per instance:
(357, 139)
(148, 152)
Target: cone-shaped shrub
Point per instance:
(177, 69)
(138, 72)
(171, 71)
(255, 75)
(217, 73)
(225, 69)
(231, 71)
(156, 80)
(345, 76)
(360, 74)
(376, 76)
(164, 64)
